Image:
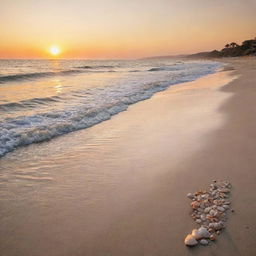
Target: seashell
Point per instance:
(196, 234)
(200, 209)
(211, 230)
(204, 242)
(225, 206)
(212, 237)
(190, 240)
(207, 209)
(204, 232)
(218, 225)
(203, 217)
(224, 190)
(198, 221)
(211, 225)
(212, 212)
(200, 233)
(221, 209)
(195, 205)
(218, 232)
(190, 196)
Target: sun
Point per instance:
(54, 50)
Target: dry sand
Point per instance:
(226, 150)
(119, 188)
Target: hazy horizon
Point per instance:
(119, 29)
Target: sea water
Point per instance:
(41, 99)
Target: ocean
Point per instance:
(42, 99)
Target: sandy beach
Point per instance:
(119, 188)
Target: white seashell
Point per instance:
(225, 206)
(212, 212)
(190, 196)
(218, 226)
(200, 209)
(221, 209)
(198, 221)
(196, 234)
(211, 225)
(203, 232)
(190, 240)
(203, 217)
(224, 190)
(200, 233)
(204, 242)
(207, 209)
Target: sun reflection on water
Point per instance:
(58, 85)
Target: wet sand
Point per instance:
(119, 188)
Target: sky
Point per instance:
(122, 28)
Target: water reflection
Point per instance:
(58, 85)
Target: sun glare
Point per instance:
(54, 50)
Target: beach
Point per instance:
(119, 187)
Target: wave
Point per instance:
(156, 69)
(28, 103)
(96, 67)
(87, 110)
(18, 77)
(80, 69)
(36, 75)
(174, 67)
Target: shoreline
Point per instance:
(119, 188)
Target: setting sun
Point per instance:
(54, 50)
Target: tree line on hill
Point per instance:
(248, 47)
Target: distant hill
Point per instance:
(248, 47)
(180, 56)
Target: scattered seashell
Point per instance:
(207, 209)
(221, 209)
(210, 210)
(211, 225)
(195, 205)
(202, 232)
(190, 196)
(212, 237)
(190, 240)
(203, 217)
(204, 242)
(196, 234)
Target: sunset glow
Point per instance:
(121, 29)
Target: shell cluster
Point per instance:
(209, 210)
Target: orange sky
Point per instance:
(122, 28)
